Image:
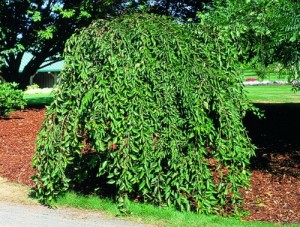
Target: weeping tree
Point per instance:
(152, 109)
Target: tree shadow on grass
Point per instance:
(277, 139)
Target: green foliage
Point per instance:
(154, 109)
(264, 31)
(10, 98)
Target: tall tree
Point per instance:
(41, 27)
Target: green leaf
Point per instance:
(111, 181)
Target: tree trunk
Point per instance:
(11, 72)
(20, 78)
(24, 80)
(168, 3)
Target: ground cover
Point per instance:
(275, 181)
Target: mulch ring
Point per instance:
(274, 195)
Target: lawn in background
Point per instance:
(267, 76)
(257, 94)
(270, 75)
(272, 94)
(38, 100)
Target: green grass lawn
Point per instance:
(272, 94)
(257, 94)
(157, 216)
(38, 100)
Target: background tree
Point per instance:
(263, 31)
(41, 28)
(183, 9)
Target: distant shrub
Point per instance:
(251, 79)
(152, 109)
(32, 87)
(10, 98)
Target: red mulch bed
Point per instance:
(274, 195)
(18, 133)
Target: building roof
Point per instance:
(55, 67)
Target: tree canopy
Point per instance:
(41, 28)
(181, 9)
(264, 31)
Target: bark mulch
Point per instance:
(274, 195)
